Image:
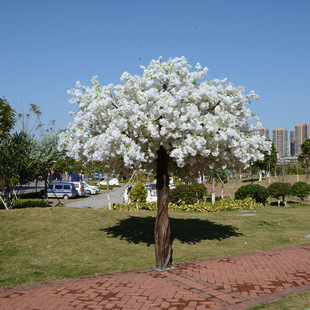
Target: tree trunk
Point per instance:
(213, 191)
(222, 193)
(162, 225)
(45, 175)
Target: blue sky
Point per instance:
(264, 45)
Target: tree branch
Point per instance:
(211, 110)
(96, 131)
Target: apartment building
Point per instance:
(290, 147)
(301, 134)
(263, 132)
(292, 142)
(280, 141)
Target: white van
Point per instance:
(80, 188)
(63, 190)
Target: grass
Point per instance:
(45, 244)
(234, 184)
(295, 302)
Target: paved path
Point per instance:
(98, 201)
(232, 282)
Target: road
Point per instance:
(94, 201)
(98, 201)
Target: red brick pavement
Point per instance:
(232, 282)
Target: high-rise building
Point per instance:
(263, 132)
(292, 142)
(280, 141)
(301, 134)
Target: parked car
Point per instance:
(126, 194)
(111, 182)
(151, 192)
(80, 188)
(91, 189)
(63, 190)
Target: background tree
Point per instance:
(280, 189)
(301, 190)
(164, 120)
(15, 162)
(67, 164)
(21, 155)
(7, 114)
(268, 163)
(7, 118)
(45, 154)
(30, 121)
(304, 158)
(220, 175)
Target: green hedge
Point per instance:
(27, 203)
(30, 195)
(189, 194)
(220, 205)
(105, 187)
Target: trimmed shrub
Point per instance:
(138, 193)
(105, 187)
(220, 205)
(30, 203)
(188, 194)
(255, 191)
(32, 195)
(280, 189)
(301, 190)
(131, 206)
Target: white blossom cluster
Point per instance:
(201, 125)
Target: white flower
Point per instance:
(124, 125)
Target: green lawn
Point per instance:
(44, 244)
(234, 184)
(295, 302)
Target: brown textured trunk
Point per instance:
(162, 224)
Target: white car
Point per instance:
(126, 194)
(151, 193)
(90, 189)
(80, 188)
(111, 182)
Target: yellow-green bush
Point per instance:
(202, 206)
(138, 193)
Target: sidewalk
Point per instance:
(232, 282)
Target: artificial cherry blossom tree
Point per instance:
(167, 120)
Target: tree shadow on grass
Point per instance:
(141, 230)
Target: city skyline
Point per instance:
(287, 142)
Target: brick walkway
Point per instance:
(232, 282)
